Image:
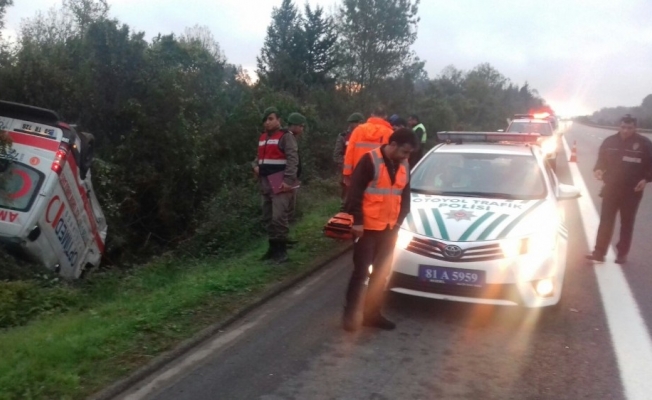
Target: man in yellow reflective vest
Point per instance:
(422, 138)
(379, 200)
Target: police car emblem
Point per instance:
(635, 146)
(452, 251)
(459, 215)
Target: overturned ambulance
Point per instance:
(48, 210)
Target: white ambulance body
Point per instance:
(48, 209)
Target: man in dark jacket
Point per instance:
(625, 166)
(379, 201)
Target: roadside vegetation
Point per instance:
(69, 341)
(610, 116)
(176, 126)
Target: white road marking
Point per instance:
(190, 361)
(629, 333)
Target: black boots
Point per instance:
(270, 251)
(276, 252)
(281, 252)
(352, 317)
(360, 312)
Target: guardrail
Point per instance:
(639, 130)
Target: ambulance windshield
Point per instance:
(19, 185)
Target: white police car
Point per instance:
(540, 124)
(485, 224)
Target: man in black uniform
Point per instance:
(625, 166)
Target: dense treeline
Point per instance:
(176, 124)
(611, 116)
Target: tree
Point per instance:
(3, 8)
(319, 43)
(375, 37)
(277, 66)
(86, 12)
(203, 36)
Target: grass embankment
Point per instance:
(80, 338)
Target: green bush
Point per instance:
(23, 300)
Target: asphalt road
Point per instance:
(294, 347)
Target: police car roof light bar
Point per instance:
(487, 137)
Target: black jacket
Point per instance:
(625, 162)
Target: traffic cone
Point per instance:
(573, 157)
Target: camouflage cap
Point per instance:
(270, 110)
(355, 117)
(296, 119)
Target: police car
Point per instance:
(541, 124)
(486, 224)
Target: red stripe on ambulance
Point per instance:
(70, 159)
(34, 141)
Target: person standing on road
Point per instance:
(625, 166)
(379, 201)
(341, 145)
(366, 137)
(422, 138)
(277, 152)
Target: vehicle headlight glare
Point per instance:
(542, 243)
(545, 287)
(514, 247)
(549, 146)
(404, 239)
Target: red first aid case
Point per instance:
(339, 226)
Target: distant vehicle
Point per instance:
(485, 224)
(48, 209)
(550, 142)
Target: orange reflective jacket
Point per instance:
(366, 137)
(381, 203)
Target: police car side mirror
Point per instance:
(567, 192)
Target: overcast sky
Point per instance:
(580, 55)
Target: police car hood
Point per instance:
(468, 219)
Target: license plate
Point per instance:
(452, 276)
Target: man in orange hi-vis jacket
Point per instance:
(379, 201)
(366, 137)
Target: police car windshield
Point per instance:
(479, 175)
(542, 128)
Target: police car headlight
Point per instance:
(549, 146)
(542, 244)
(514, 247)
(404, 239)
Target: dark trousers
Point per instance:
(614, 201)
(343, 193)
(374, 248)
